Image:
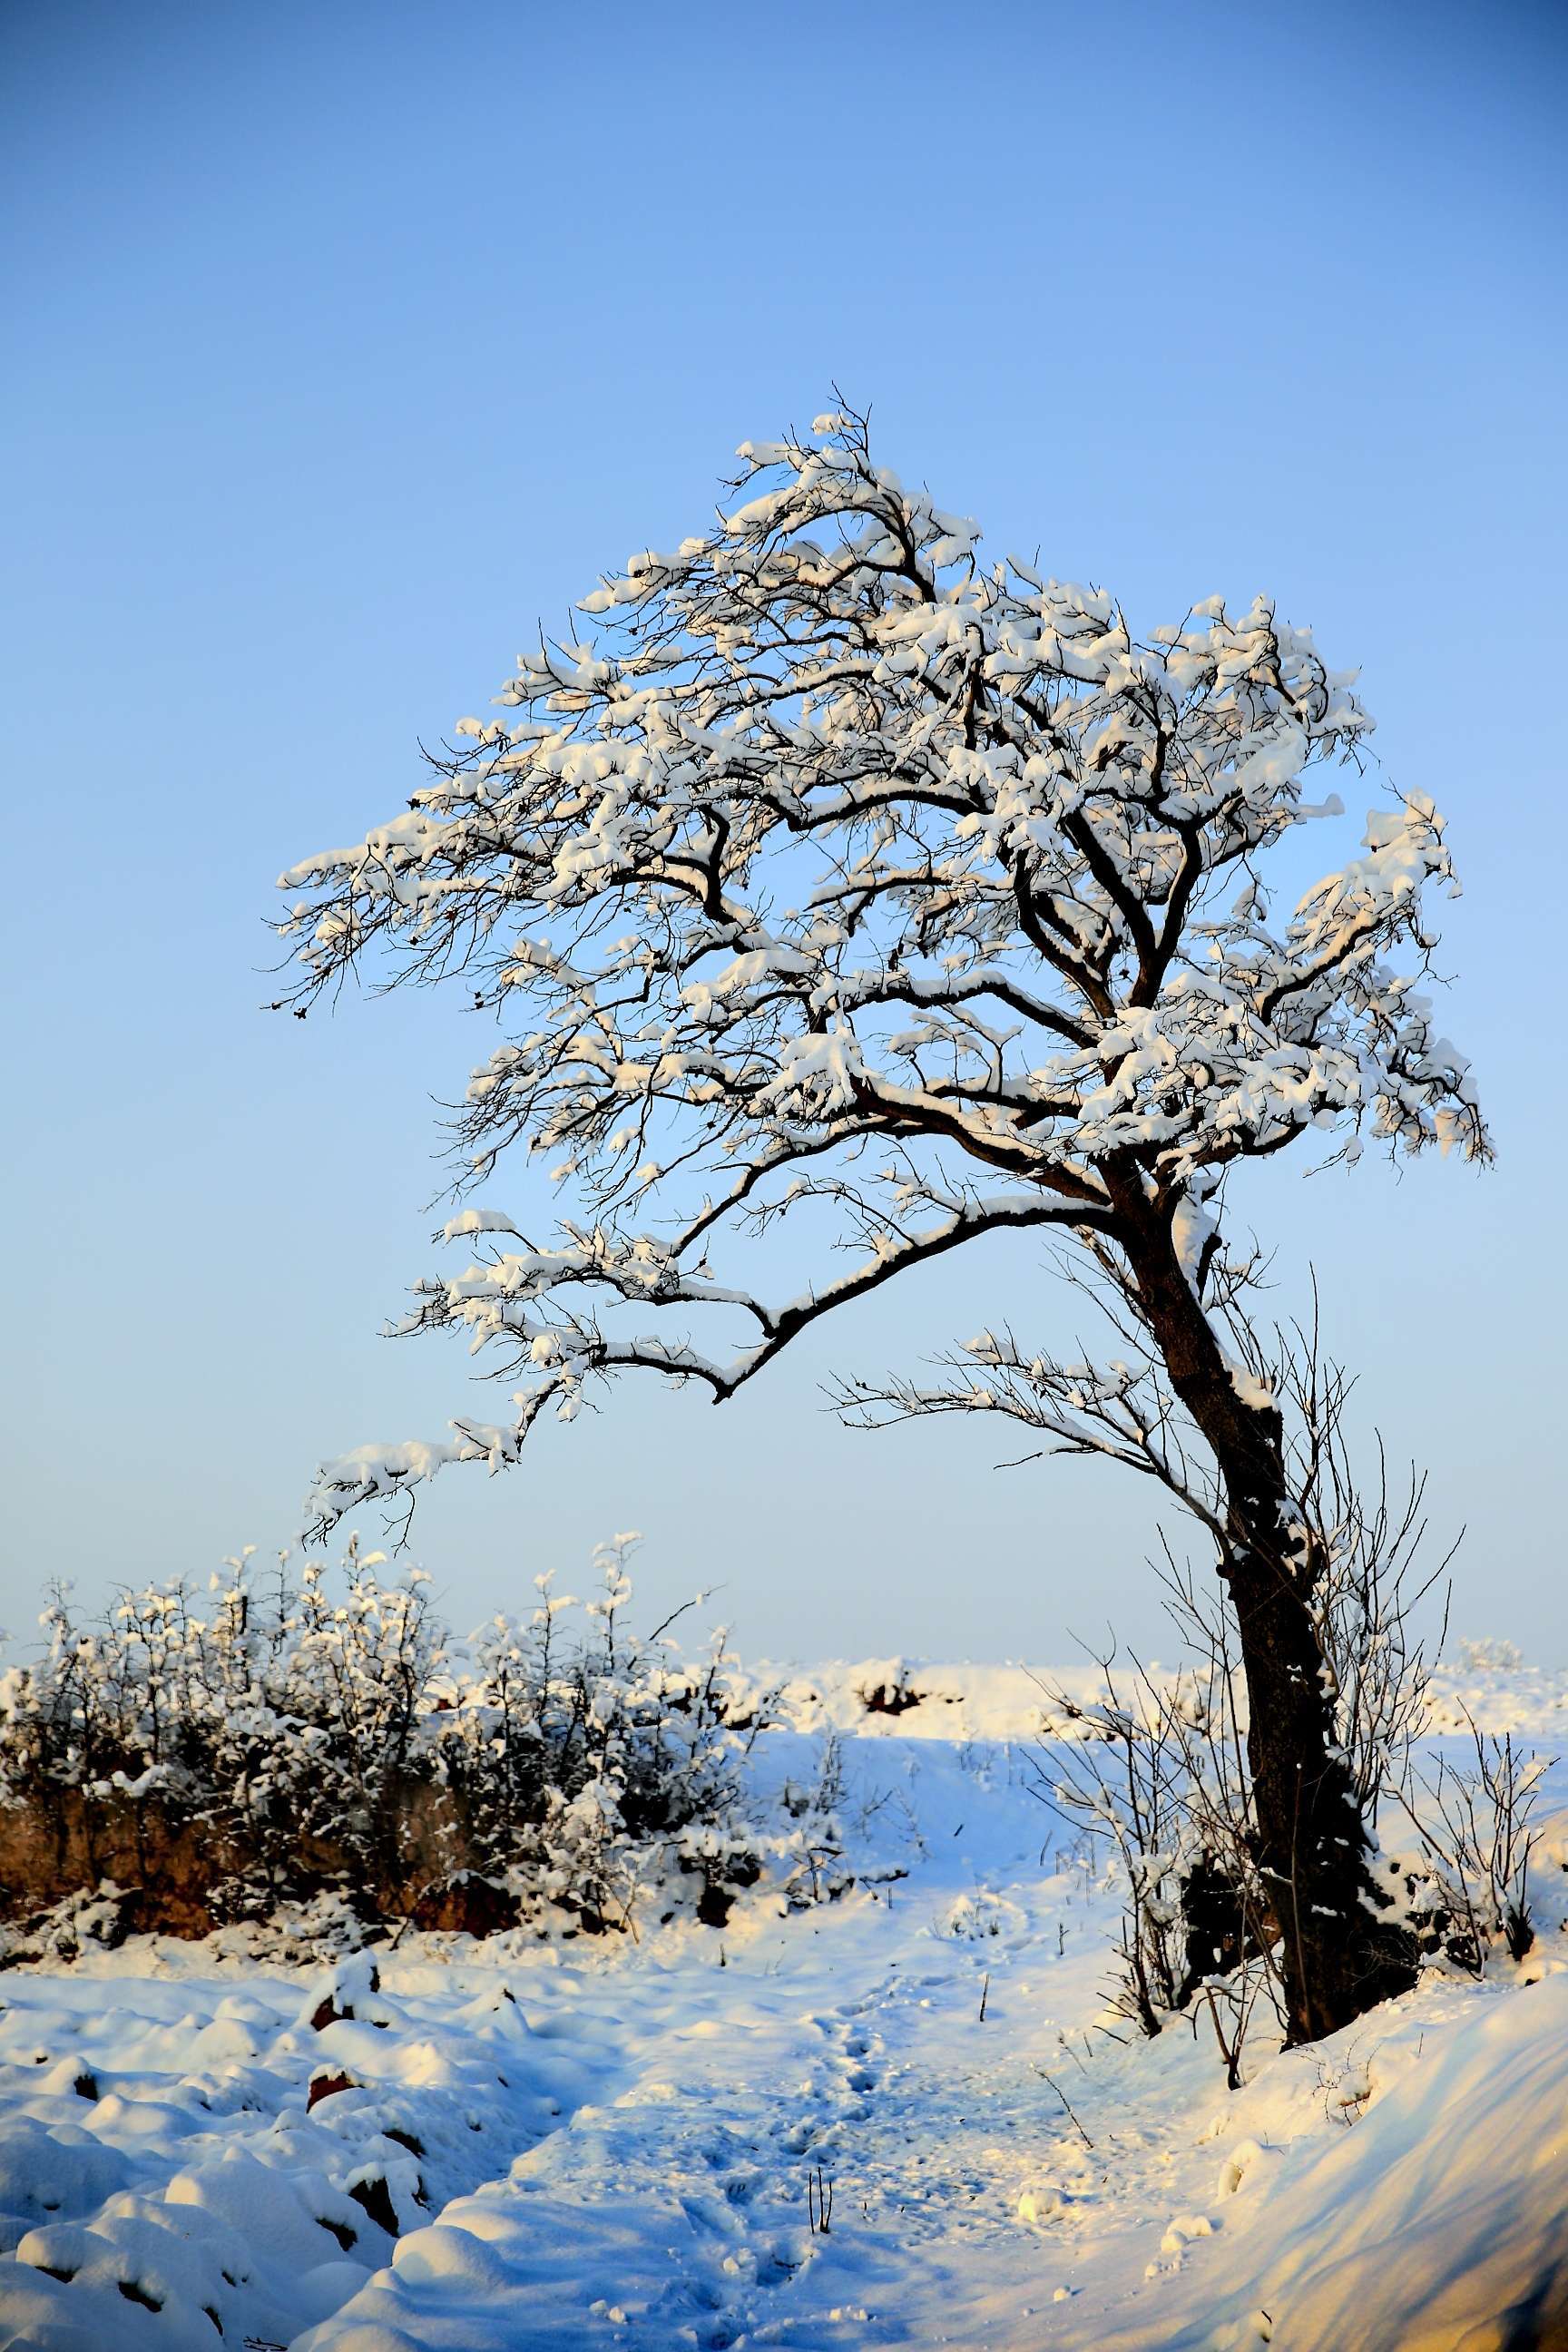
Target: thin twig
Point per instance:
(1063, 2098)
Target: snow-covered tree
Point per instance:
(830, 869)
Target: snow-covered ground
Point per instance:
(600, 2142)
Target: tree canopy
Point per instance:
(830, 862)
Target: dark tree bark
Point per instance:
(1340, 1954)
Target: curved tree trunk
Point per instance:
(1342, 1954)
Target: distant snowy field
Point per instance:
(608, 2144)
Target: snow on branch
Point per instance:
(829, 845)
(562, 1352)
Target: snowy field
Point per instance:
(619, 2143)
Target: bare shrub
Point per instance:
(1474, 1824)
(1163, 1767)
(1367, 1569)
(1156, 1769)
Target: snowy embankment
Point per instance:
(1003, 1703)
(592, 2142)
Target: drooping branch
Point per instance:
(513, 1303)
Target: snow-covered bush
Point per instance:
(284, 1715)
(1490, 1656)
(575, 1761)
(287, 1732)
(810, 1853)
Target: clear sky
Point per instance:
(343, 342)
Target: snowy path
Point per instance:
(609, 2144)
(617, 2153)
(848, 2045)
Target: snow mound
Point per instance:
(1439, 2222)
(165, 2172)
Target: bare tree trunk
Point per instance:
(1342, 1954)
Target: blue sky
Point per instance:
(345, 341)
